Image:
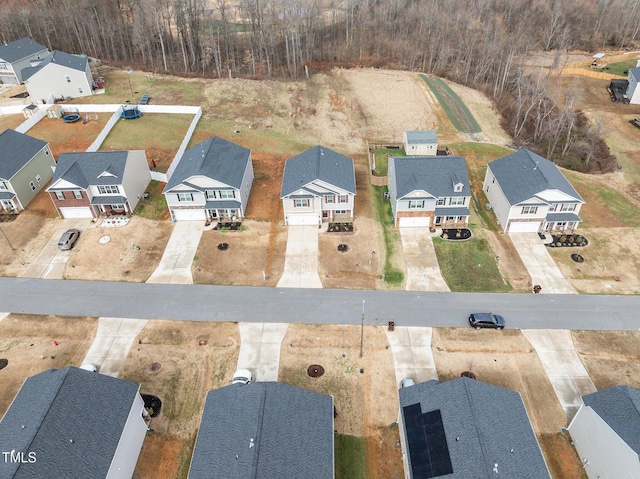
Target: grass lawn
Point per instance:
(350, 457)
(382, 160)
(620, 68)
(155, 206)
(453, 106)
(392, 242)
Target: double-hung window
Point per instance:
(210, 194)
(77, 194)
(185, 197)
(60, 195)
(301, 203)
(108, 189)
(416, 204)
(441, 202)
(568, 207)
(329, 199)
(529, 210)
(227, 194)
(456, 201)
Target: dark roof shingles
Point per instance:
(434, 174)
(16, 149)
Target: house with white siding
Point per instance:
(420, 143)
(633, 92)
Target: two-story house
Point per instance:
(17, 55)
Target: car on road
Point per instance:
(242, 376)
(68, 239)
(486, 320)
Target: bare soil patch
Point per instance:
(68, 137)
(11, 121)
(22, 240)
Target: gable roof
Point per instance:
(635, 71)
(86, 169)
(57, 57)
(482, 425)
(214, 158)
(523, 174)
(264, 429)
(71, 418)
(16, 149)
(433, 174)
(19, 49)
(318, 163)
(619, 407)
(421, 137)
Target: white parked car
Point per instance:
(242, 376)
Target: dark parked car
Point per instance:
(68, 239)
(486, 320)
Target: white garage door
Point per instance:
(524, 227)
(414, 221)
(76, 212)
(189, 215)
(303, 220)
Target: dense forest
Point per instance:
(479, 43)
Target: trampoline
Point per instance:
(70, 117)
(129, 112)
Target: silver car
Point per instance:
(68, 239)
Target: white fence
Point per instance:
(185, 142)
(107, 128)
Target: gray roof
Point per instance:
(19, 49)
(214, 158)
(57, 57)
(318, 163)
(16, 149)
(482, 424)
(421, 137)
(434, 174)
(566, 216)
(459, 211)
(84, 169)
(635, 71)
(264, 430)
(619, 407)
(523, 174)
(56, 407)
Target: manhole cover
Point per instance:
(155, 366)
(315, 370)
(577, 258)
(3, 363)
(343, 248)
(468, 374)
(104, 239)
(223, 246)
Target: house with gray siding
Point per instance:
(212, 182)
(420, 143)
(264, 430)
(318, 185)
(26, 166)
(606, 433)
(59, 75)
(91, 184)
(529, 194)
(465, 429)
(17, 55)
(74, 424)
(429, 191)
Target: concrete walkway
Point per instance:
(412, 355)
(112, 343)
(3, 315)
(51, 261)
(562, 364)
(175, 265)
(260, 349)
(542, 269)
(423, 271)
(301, 261)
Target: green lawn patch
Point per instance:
(350, 457)
(469, 266)
(619, 68)
(384, 215)
(453, 106)
(155, 206)
(382, 160)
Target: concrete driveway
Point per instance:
(260, 349)
(175, 265)
(301, 261)
(51, 261)
(423, 271)
(542, 269)
(412, 355)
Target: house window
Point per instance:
(117, 207)
(438, 220)
(108, 189)
(441, 202)
(46, 152)
(529, 210)
(79, 90)
(329, 199)
(68, 79)
(227, 194)
(210, 194)
(413, 204)
(301, 203)
(60, 195)
(32, 185)
(341, 212)
(3, 186)
(457, 187)
(561, 224)
(3, 66)
(456, 201)
(343, 199)
(185, 196)
(568, 207)
(452, 218)
(77, 194)
(38, 178)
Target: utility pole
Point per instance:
(362, 332)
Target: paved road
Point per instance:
(328, 306)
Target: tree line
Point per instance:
(479, 43)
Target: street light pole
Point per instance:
(362, 331)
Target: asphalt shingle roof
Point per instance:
(71, 418)
(19, 49)
(421, 137)
(318, 163)
(214, 158)
(16, 149)
(264, 430)
(57, 57)
(84, 169)
(486, 428)
(524, 174)
(635, 71)
(619, 407)
(434, 174)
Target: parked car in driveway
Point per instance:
(242, 376)
(486, 320)
(68, 239)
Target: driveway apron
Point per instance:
(301, 261)
(412, 355)
(51, 261)
(260, 349)
(542, 269)
(3, 315)
(566, 372)
(175, 265)
(112, 343)
(423, 271)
